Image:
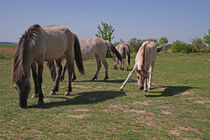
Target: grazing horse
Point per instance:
(37, 44)
(124, 51)
(144, 63)
(93, 47)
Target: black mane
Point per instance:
(17, 68)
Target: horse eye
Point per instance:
(137, 77)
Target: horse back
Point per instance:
(56, 40)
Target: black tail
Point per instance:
(78, 55)
(114, 50)
(129, 58)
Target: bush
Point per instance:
(182, 47)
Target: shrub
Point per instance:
(182, 47)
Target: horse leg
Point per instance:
(106, 68)
(98, 62)
(41, 96)
(70, 63)
(122, 64)
(58, 66)
(150, 76)
(64, 71)
(145, 84)
(127, 62)
(34, 75)
(74, 74)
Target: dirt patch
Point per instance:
(148, 121)
(139, 111)
(166, 112)
(130, 110)
(82, 110)
(174, 132)
(82, 87)
(142, 103)
(106, 110)
(134, 94)
(177, 130)
(186, 93)
(46, 100)
(77, 116)
(202, 101)
(116, 107)
(7, 50)
(187, 129)
(164, 107)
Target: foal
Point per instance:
(144, 63)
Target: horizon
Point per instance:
(176, 20)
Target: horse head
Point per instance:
(23, 89)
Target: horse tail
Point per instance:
(114, 50)
(129, 57)
(78, 55)
(159, 48)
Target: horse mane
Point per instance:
(18, 71)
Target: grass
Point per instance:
(177, 107)
(12, 45)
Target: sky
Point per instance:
(175, 19)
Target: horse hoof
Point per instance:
(121, 89)
(93, 79)
(67, 93)
(40, 102)
(52, 93)
(34, 96)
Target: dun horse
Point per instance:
(144, 63)
(124, 51)
(40, 43)
(93, 47)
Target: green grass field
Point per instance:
(177, 107)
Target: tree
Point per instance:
(163, 40)
(198, 44)
(181, 47)
(206, 38)
(105, 31)
(134, 44)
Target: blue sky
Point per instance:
(175, 19)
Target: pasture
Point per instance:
(177, 106)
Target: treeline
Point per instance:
(196, 45)
(105, 31)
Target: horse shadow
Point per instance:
(108, 81)
(170, 91)
(82, 98)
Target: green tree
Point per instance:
(105, 31)
(198, 44)
(163, 40)
(206, 38)
(181, 47)
(134, 44)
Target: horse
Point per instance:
(93, 47)
(144, 63)
(39, 44)
(124, 51)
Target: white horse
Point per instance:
(124, 51)
(40, 43)
(144, 63)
